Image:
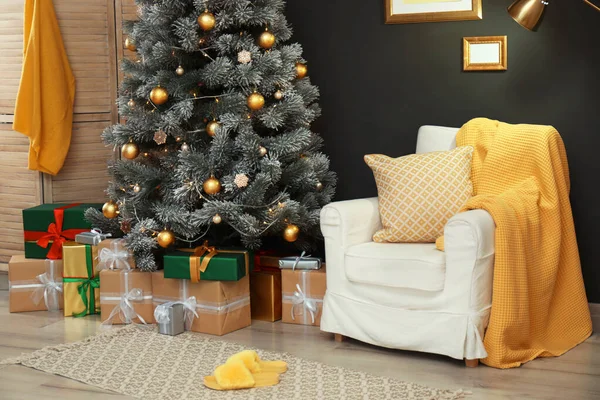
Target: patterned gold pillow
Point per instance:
(419, 193)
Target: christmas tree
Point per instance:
(216, 141)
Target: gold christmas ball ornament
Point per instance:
(319, 186)
(165, 238)
(137, 188)
(217, 219)
(278, 95)
(207, 21)
(110, 209)
(130, 44)
(130, 151)
(180, 71)
(256, 101)
(131, 103)
(266, 40)
(301, 70)
(262, 151)
(291, 232)
(159, 95)
(211, 128)
(211, 186)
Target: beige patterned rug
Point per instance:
(139, 362)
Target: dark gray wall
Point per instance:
(380, 82)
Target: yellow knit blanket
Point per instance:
(521, 177)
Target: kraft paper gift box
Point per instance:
(265, 295)
(48, 226)
(303, 292)
(34, 285)
(220, 307)
(126, 297)
(80, 280)
(205, 263)
(112, 254)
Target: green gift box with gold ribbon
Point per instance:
(206, 263)
(81, 283)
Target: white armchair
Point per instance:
(406, 295)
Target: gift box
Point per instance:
(300, 262)
(214, 307)
(34, 285)
(126, 297)
(112, 254)
(93, 237)
(206, 263)
(170, 319)
(265, 295)
(80, 282)
(48, 226)
(303, 292)
(266, 260)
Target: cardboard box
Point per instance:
(265, 295)
(222, 306)
(26, 289)
(112, 254)
(303, 292)
(136, 287)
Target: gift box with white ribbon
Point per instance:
(302, 299)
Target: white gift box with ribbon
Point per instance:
(126, 297)
(302, 299)
(213, 307)
(30, 290)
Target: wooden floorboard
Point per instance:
(573, 376)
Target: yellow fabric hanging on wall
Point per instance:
(44, 106)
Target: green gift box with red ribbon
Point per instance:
(48, 226)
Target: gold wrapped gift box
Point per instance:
(265, 295)
(80, 281)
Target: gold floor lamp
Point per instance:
(528, 12)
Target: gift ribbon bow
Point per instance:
(299, 258)
(54, 234)
(161, 312)
(114, 259)
(49, 291)
(299, 299)
(199, 261)
(88, 286)
(125, 309)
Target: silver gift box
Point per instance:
(305, 263)
(90, 238)
(176, 324)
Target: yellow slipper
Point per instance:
(233, 375)
(253, 362)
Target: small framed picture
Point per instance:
(414, 11)
(485, 53)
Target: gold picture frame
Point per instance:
(416, 11)
(485, 53)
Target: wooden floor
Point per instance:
(575, 375)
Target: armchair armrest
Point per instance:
(470, 246)
(351, 222)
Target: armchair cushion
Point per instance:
(419, 193)
(399, 265)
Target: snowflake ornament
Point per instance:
(244, 56)
(160, 137)
(241, 180)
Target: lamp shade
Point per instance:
(527, 12)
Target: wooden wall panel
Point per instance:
(19, 188)
(89, 35)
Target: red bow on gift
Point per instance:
(55, 234)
